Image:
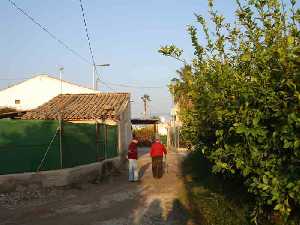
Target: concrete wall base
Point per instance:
(59, 178)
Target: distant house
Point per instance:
(174, 128)
(36, 91)
(162, 129)
(100, 108)
(175, 115)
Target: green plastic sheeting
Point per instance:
(23, 144)
(111, 143)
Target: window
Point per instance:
(17, 101)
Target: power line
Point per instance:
(102, 82)
(87, 33)
(107, 84)
(138, 87)
(45, 29)
(22, 11)
(90, 46)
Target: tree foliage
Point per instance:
(240, 99)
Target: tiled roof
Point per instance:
(81, 107)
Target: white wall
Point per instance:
(162, 129)
(125, 133)
(37, 91)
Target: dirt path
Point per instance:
(114, 202)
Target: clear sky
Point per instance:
(124, 33)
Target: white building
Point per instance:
(174, 128)
(175, 115)
(38, 90)
(162, 127)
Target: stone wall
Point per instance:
(59, 178)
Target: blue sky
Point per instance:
(124, 33)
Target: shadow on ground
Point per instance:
(178, 215)
(211, 199)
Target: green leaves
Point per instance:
(246, 57)
(297, 143)
(171, 50)
(198, 49)
(287, 144)
(239, 100)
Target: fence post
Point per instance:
(96, 139)
(105, 141)
(60, 143)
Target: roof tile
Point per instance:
(81, 107)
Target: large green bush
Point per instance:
(240, 99)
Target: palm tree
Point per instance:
(145, 98)
(181, 88)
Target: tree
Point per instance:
(244, 94)
(145, 98)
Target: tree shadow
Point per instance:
(154, 214)
(179, 214)
(212, 198)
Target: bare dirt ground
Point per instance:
(112, 202)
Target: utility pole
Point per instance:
(97, 83)
(94, 75)
(145, 98)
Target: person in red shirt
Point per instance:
(157, 152)
(132, 158)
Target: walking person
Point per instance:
(157, 153)
(133, 174)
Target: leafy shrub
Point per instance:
(144, 135)
(240, 99)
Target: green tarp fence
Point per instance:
(23, 144)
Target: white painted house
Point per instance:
(38, 90)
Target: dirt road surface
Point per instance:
(112, 202)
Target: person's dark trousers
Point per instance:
(157, 166)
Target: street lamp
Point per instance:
(173, 114)
(94, 73)
(172, 84)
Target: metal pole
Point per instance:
(60, 143)
(173, 119)
(145, 108)
(105, 153)
(178, 136)
(94, 75)
(175, 137)
(97, 84)
(60, 119)
(94, 68)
